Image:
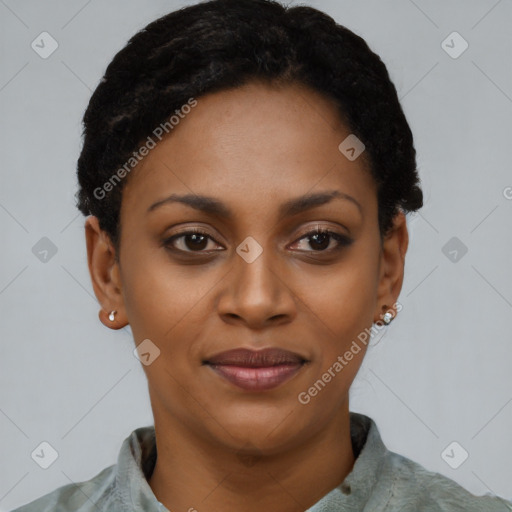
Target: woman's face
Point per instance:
(255, 280)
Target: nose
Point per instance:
(256, 293)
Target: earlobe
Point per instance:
(109, 319)
(394, 248)
(104, 276)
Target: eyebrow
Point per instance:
(291, 207)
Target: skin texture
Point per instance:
(253, 148)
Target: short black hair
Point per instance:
(222, 44)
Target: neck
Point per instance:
(192, 472)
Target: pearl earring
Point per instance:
(111, 316)
(387, 318)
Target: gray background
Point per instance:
(441, 372)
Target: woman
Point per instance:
(246, 171)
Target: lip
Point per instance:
(271, 356)
(256, 370)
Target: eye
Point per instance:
(320, 240)
(196, 240)
(192, 240)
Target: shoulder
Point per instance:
(413, 487)
(88, 496)
(114, 488)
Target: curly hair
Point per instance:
(222, 44)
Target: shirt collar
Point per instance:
(137, 458)
(355, 490)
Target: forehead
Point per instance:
(251, 145)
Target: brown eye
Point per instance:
(320, 240)
(190, 241)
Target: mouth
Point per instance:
(256, 370)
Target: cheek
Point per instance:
(345, 296)
(343, 312)
(352, 298)
(162, 304)
(151, 295)
(343, 306)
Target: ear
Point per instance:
(392, 262)
(105, 275)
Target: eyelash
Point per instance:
(343, 241)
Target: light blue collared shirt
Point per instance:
(380, 481)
